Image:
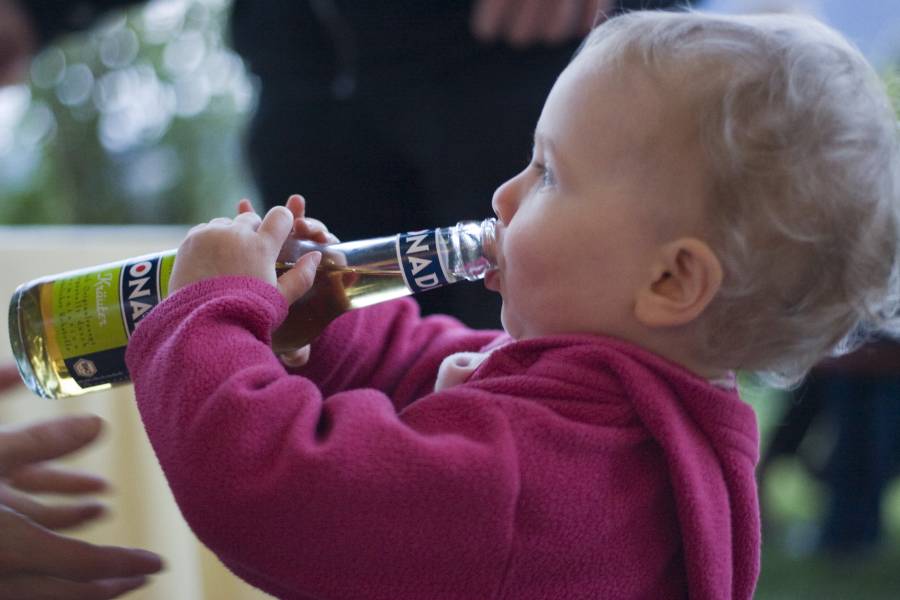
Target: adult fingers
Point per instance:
(37, 587)
(42, 478)
(59, 516)
(27, 547)
(488, 18)
(594, 13)
(564, 21)
(526, 23)
(17, 43)
(67, 516)
(46, 440)
(297, 280)
(9, 376)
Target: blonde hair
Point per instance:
(801, 143)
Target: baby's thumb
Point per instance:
(295, 282)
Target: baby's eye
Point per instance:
(547, 178)
(546, 173)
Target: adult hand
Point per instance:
(9, 377)
(17, 42)
(35, 562)
(523, 23)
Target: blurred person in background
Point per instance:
(379, 110)
(857, 397)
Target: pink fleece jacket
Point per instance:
(566, 467)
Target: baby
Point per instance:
(706, 195)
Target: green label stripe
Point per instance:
(165, 272)
(87, 313)
(94, 311)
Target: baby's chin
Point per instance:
(508, 327)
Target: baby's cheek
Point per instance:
(530, 261)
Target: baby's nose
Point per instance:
(503, 201)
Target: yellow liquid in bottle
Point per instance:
(35, 344)
(335, 291)
(81, 320)
(34, 329)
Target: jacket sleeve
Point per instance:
(311, 496)
(388, 347)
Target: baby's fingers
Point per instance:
(313, 229)
(298, 279)
(250, 219)
(297, 205)
(295, 358)
(276, 227)
(245, 206)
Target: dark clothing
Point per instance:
(856, 399)
(387, 116)
(390, 116)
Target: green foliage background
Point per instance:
(183, 165)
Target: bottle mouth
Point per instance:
(475, 243)
(489, 242)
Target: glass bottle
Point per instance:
(69, 331)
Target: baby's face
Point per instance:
(582, 223)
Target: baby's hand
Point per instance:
(248, 246)
(305, 229)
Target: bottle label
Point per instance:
(95, 313)
(423, 259)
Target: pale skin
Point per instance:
(610, 205)
(601, 233)
(248, 245)
(523, 23)
(36, 562)
(17, 42)
(9, 377)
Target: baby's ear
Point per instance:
(686, 277)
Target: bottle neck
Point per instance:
(471, 248)
(427, 259)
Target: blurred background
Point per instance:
(135, 121)
(139, 121)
